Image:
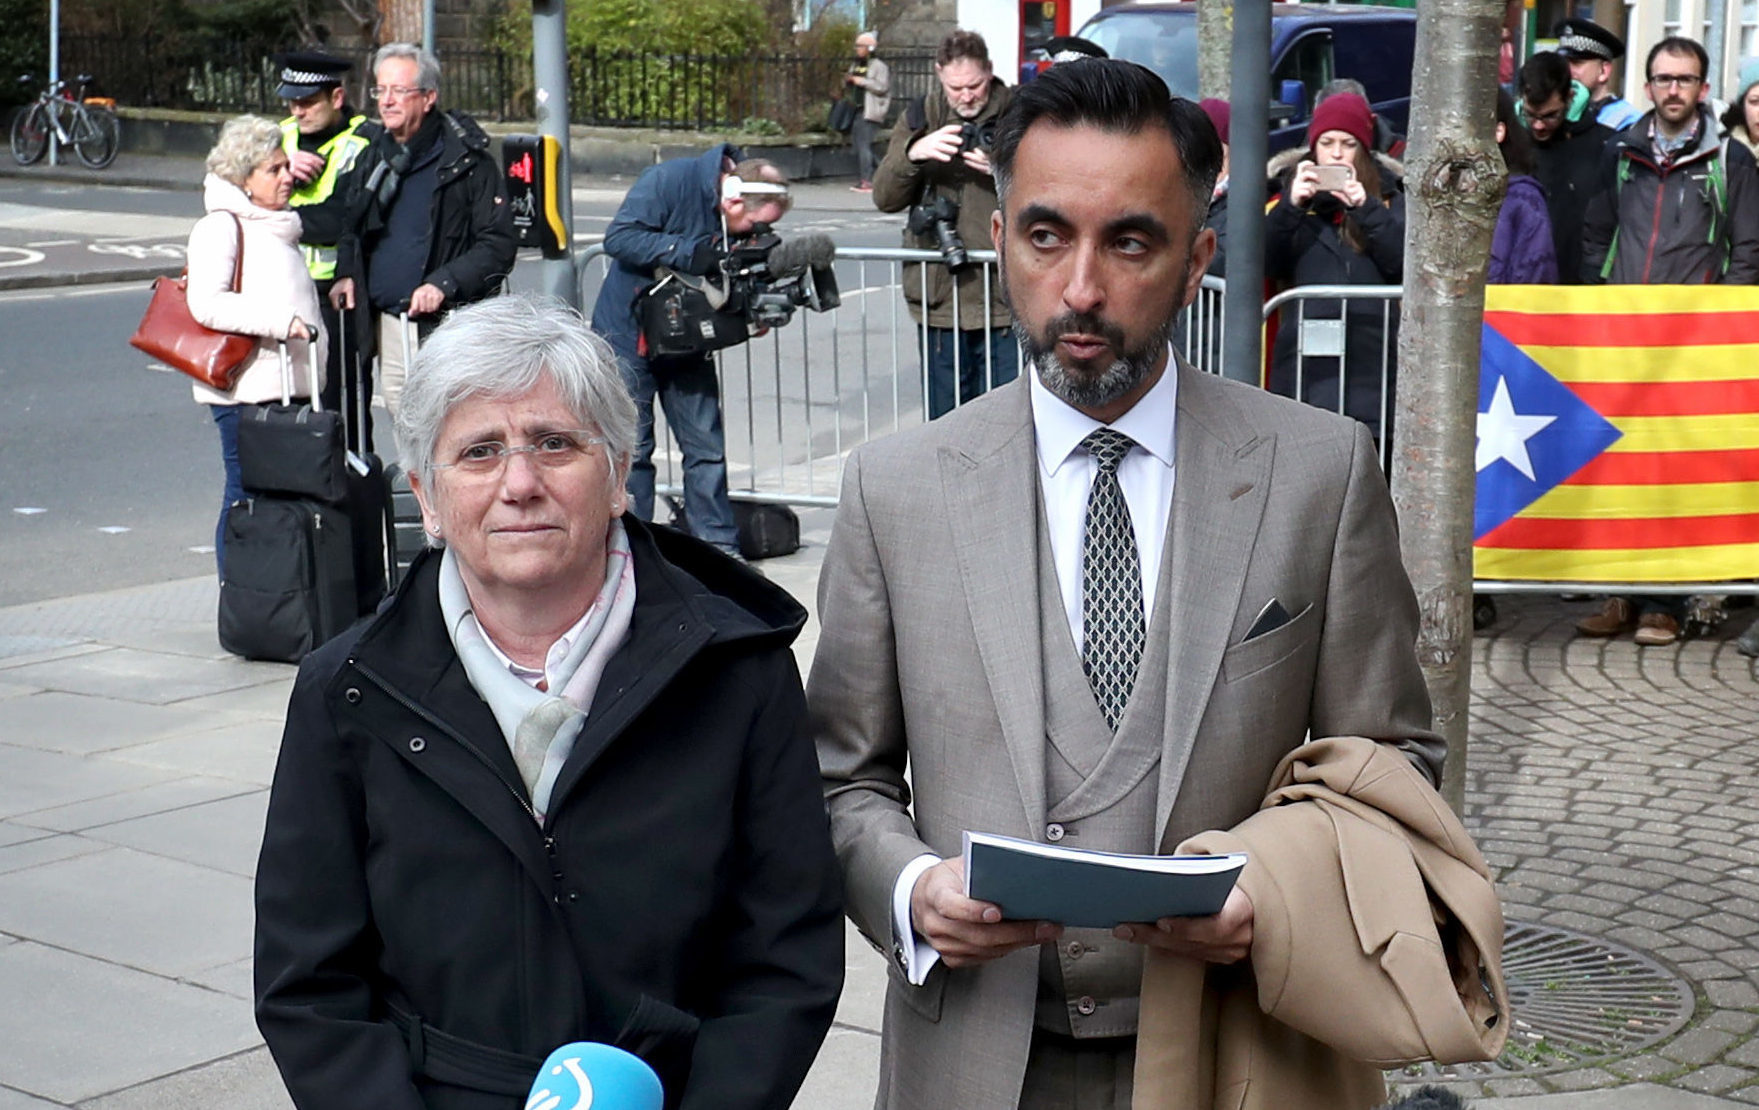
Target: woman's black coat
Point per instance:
(1305, 246)
(681, 899)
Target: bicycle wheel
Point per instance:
(96, 134)
(30, 134)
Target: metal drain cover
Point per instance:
(1577, 1000)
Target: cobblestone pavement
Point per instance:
(1612, 790)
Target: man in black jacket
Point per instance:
(1567, 145)
(431, 229)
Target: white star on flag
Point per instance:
(1503, 433)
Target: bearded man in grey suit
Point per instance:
(982, 603)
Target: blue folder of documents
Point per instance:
(1088, 889)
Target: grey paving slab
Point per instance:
(57, 721)
(45, 849)
(75, 1028)
(12, 647)
(18, 1100)
(247, 1081)
(267, 700)
(845, 1075)
(10, 690)
(143, 676)
(233, 978)
(243, 752)
(157, 797)
(11, 833)
(49, 650)
(141, 911)
(224, 835)
(36, 780)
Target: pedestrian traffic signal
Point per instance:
(534, 175)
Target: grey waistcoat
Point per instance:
(1101, 789)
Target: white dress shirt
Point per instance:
(1065, 474)
(541, 680)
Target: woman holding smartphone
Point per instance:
(1339, 220)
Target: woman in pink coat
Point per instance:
(246, 193)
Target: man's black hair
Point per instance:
(1115, 96)
(1677, 44)
(1543, 76)
(1517, 145)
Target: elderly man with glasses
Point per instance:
(430, 228)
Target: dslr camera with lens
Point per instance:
(938, 215)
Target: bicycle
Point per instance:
(85, 123)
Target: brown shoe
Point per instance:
(1615, 616)
(1657, 630)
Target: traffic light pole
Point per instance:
(549, 62)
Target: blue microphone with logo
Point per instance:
(589, 1076)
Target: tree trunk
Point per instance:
(1454, 186)
(400, 21)
(1215, 36)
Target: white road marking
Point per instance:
(202, 549)
(54, 243)
(114, 529)
(26, 256)
(29, 510)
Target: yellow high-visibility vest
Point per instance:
(339, 152)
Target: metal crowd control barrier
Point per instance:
(796, 401)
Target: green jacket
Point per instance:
(898, 184)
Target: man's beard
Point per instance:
(1085, 388)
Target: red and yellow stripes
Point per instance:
(1676, 370)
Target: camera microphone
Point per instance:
(792, 257)
(587, 1074)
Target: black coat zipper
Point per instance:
(398, 697)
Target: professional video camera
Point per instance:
(755, 286)
(938, 215)
(770, 277)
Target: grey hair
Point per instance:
(427, 67)
(245, 143)
(502, 347)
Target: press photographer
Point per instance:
(937, 167)
(684, 219)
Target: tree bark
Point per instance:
(1454, 184)
(400, 21)
(1215, 36)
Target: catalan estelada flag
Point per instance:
(1618, 434)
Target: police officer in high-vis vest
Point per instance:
(322, 139)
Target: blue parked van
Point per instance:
(1310, 44)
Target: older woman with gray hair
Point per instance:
(558, 789)
(246, 193)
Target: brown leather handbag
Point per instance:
(170, 334)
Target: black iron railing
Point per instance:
(777, 95)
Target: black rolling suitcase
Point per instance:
(367, 493)
(289, 582)
(289, 577)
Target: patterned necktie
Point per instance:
(1111, 581)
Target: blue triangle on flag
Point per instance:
(1576, 435)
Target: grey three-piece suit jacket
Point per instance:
(932, 655)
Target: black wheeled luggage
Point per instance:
(367, 490)
(291, 450)
(289, 577)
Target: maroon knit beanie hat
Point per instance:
(1344, 112)
(1217, 111)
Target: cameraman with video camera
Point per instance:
(676, 228)
(937, 167)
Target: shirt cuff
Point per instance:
(915, 957)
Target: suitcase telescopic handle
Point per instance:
(311, 369)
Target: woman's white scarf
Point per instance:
(540, 727)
